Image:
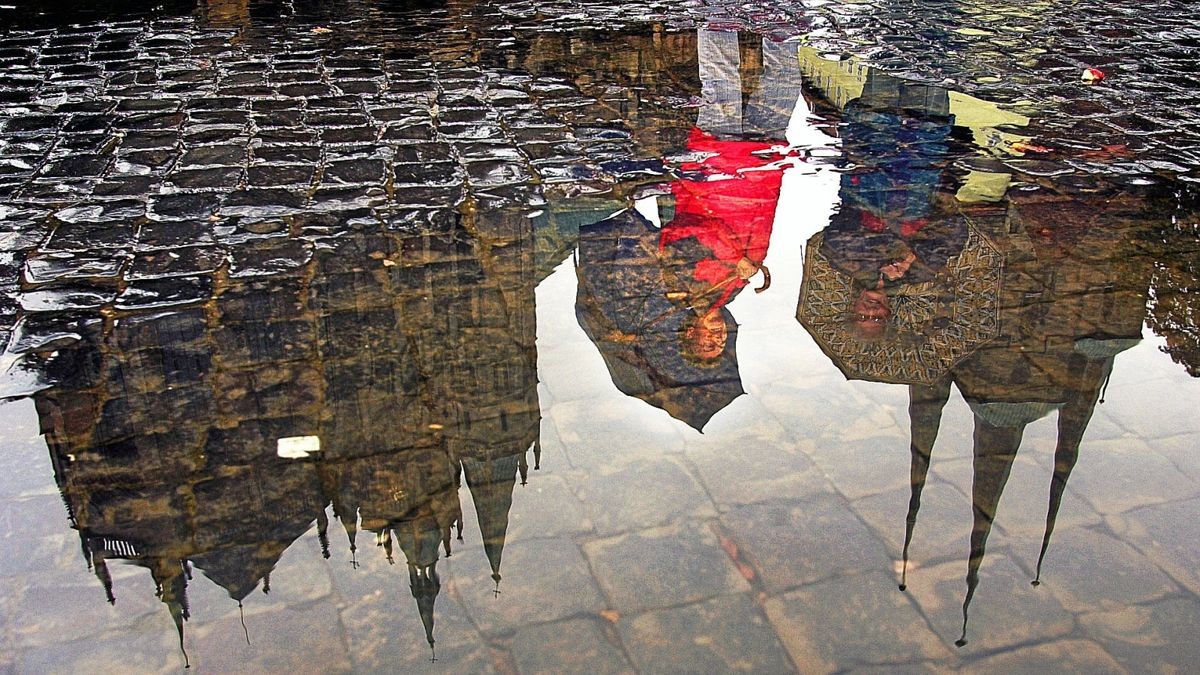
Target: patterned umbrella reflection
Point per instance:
(930, 326)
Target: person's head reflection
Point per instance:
(704, 338)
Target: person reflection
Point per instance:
(725, 198)
(897, 227)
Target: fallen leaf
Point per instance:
(1020, 146)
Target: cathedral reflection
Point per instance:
(363, 372)
(403, 361)
(1034, 332)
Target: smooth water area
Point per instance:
(640, 337)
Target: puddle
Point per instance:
(531, 338)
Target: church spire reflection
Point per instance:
(369, 394)
(1032, 332)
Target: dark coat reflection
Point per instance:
(899, 287)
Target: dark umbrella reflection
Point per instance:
(654, 343)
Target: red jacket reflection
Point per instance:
(728, 206)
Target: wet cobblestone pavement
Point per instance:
(369, 336)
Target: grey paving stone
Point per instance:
(220, 645)
(687, 560)
(542, 581)
(727, 634)
(574, 645)
(790, 543)
(1085, 569)
(643, 494)
(1122, 475)
(1159, 633)
(851, 621)
(1005, 610)
(1166, 534)
(1067, 656)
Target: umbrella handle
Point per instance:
(766, 279)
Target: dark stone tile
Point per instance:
(269, 257)
(363, 134)
(262, 341)
(183, 206)
(169, 234)
(272, 175)
(65, 298)
(264, 202)
(58, 267)
(206, 179)
(409, 132)
(439, 173)
(356, 172)
(87, 236)
(287, 154)
(213, 155)
(76, 166)
(178, 261)
(162, 293)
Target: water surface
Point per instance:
(543, 337)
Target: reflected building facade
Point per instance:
(408, 358)
(1068, 294)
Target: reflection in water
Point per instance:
(1022, 301)
(294, 286)
(654, 302)
(899, 287)
(408, 355)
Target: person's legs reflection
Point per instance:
(721, 82)
(771, 105)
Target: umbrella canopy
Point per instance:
(933, 324)
(629, 307)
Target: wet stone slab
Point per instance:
(1103, 572)
(824, 537)
(65, 266)
(562, 588)
(177, 261)
(574, 645)
(1005, 610)
(689, 563)
(857, 619)
(157, 293)
(725, 634)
